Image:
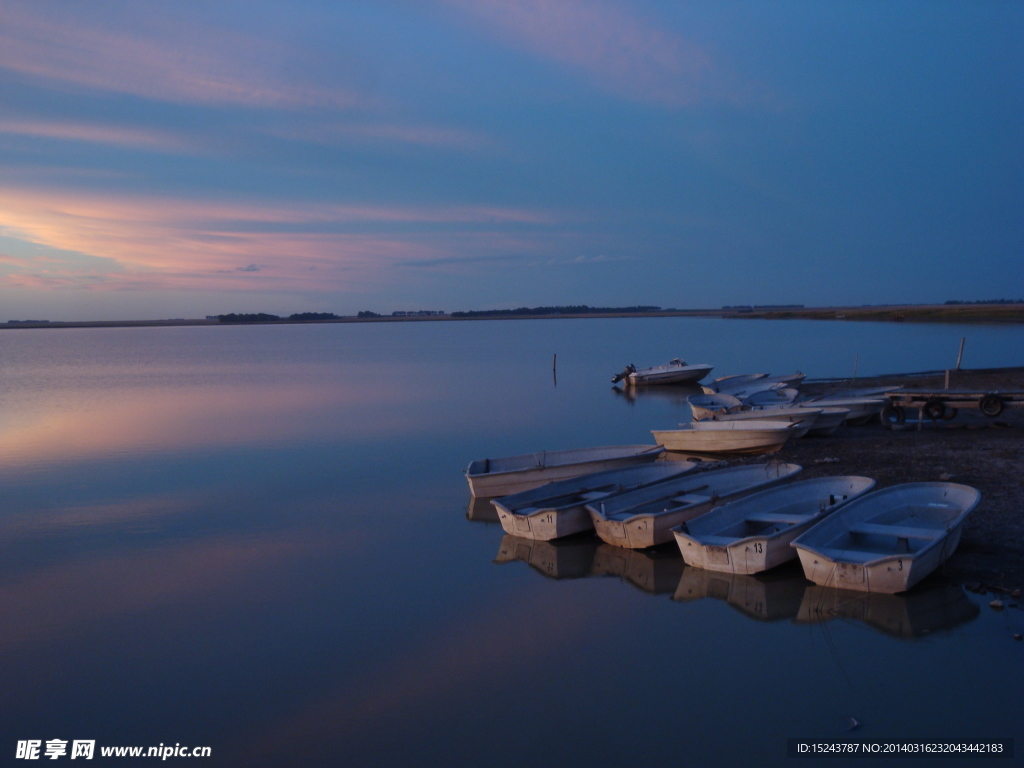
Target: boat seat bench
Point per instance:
(769, 517)
(690, 498)
(900, 531)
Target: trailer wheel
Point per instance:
(991, 405)
(935, 409)
(891, 415)
(950, 414)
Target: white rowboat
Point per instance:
(645, 517)
(726, 437)
(512, 474)
(802, 419)
(862, 409)
(705, 406)
(725, 383)
(887, 541)
(557, 509)
(751, 382)
(754, 533)
(775, 396)
(829, 420)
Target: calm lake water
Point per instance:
(259, 539)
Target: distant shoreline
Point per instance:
(915, 313)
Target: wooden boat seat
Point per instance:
(591, 495)
(690, 498)
(900, 531)
(769, 517)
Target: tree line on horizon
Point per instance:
(987, 301)
(263, 317)
(581, 309)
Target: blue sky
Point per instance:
(191, 158)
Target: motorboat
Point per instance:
(675, 371)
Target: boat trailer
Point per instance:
(936, 404)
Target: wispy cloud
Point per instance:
(421, 135)
(618, 51)
(100, 134)
(155, 56)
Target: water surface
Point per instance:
(257, 539)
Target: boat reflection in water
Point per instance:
(655, 571)
(569, 558)
(779, 594)
(770, 596)
(934, 607)
(675, 394)
(481, 510)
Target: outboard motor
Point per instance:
(620, 376)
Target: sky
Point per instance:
(165, 160)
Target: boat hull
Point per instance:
(732, 442)
(754, 534)
(650, 528)
(492, 484)
(828, 421)
(802, 419)
(548, 525)
(555, 510)
(645, 531)
(888, 575)
(747, 557)
(652, 376)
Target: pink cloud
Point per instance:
(618, 51)
(149, 243)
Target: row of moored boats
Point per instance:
(742, 519)
(759, 413)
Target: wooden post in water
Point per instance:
(554, 369)
(960, 354)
